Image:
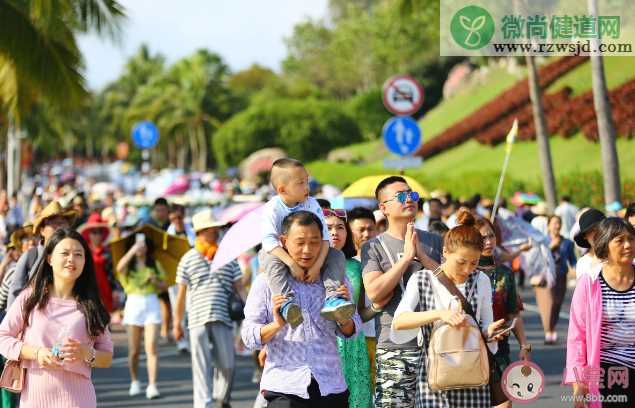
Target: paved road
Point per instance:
(175, 381)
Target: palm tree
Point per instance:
(542, 135)
(112, 105)
(39, 55)
(606, 126)
(188, 102)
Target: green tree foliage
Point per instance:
(197, 102)
(369, 112)
(111, 106)
(327, 95)
(366, 42)
(306, 129)
(187, 101)
(39, 55)
(251, 80)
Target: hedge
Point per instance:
(306, 129)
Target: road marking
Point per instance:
(123, 361)
(533, 308)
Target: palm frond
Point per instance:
(50, 64)
(103, 16)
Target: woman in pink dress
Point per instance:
(58, 328)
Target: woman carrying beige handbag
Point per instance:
(427, 301)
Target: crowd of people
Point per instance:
(341, 308)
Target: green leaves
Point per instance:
(39, 56)
(306, 129)
(365, 43)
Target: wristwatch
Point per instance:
(526, 347)
(374, 309)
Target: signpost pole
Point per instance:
(145, 136)
(145, 165)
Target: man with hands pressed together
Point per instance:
(303, 366)
(410, 250)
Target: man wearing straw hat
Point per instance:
(21, 242)
(208, 313)
(52, 218)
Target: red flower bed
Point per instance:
(565, 115)
(497, 110)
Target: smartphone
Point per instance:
(140, 238)
(508, 327)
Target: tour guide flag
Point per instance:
(511, 137)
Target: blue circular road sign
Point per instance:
(145, 135)
(402, 135)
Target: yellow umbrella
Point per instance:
(168, 249)
(365, 187)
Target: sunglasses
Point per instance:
(337, 213)
(402, 197)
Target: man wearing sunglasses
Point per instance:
(411, 250)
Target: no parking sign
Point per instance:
(403, 95)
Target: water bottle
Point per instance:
(56, 350)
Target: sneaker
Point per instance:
(152, 392)
(337, 309)
(135, 388)
(291, 313)
(255, 379)
(183, 346)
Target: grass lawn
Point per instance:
(618, 70)
(569, 155)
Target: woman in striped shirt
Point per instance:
(601, 340)
(58, 328)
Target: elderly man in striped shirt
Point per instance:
(208, 313)
(303, 366)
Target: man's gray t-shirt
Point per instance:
(375, 259)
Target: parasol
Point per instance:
(168, 249)
(365, 187)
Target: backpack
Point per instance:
(457, 356)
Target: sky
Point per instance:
(243, 32)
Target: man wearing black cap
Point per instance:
(589, 264)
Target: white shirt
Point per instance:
(189, 232)
(274, 213)
(567, 212)
(588, 265)
(541, 223)
(451, 223)
(410, 300)
(422, 223)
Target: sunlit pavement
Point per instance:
(175, 376)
